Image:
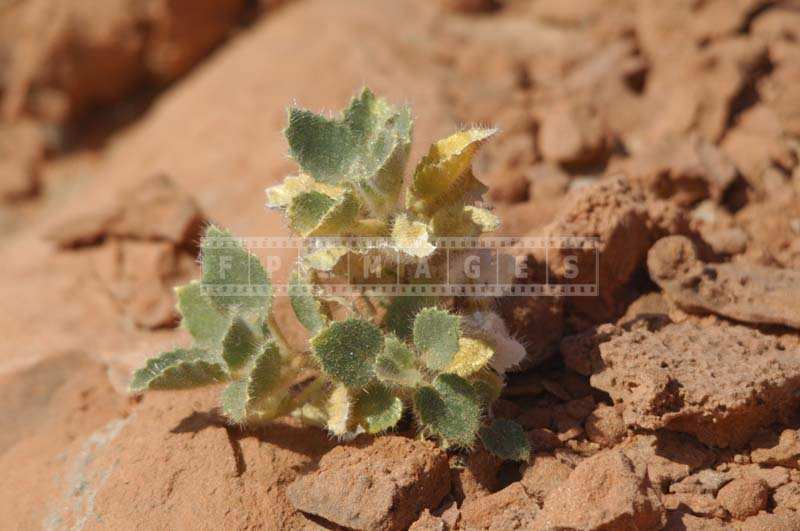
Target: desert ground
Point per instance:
(669, 130)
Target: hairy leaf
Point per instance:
(316, 214)
(395, 365)
(306, 307)
(436, 334)
(400, 314)
(444, 176)
(347, 350)
(473, 355)
(461, 220)
(281, 195)
(200, 317)
(367, 146)
(239, 344)
(506, 439)
(411, 237)
(179, 369)
(450, 409)
(235, 278)
(377, 409)
(260, 391)
(339, 410)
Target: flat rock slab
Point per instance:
(719, 383)
(752, 294)
(382, 486)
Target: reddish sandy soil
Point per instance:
(668, 129)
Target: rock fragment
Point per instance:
(509, 509)
(752, 294)
(605, 425)
(606, 491)
(744, 497)
(381, 486)
(662, 379)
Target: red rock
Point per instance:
(68, 57)
(605, 425)
(668, 457)
(478, 476)
(758, 295)
(744, 497)
(662, 379)
(770, 522)
(788, 496)
(383, 485)
(511, 508)
(604, 492)
(769, 224)
(618, 213)
(756, 144)
(685, 170)
(783, 450)
(543, 475)
(573, 134)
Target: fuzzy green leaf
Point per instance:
(368, 146)
(377, 409)
(235, 278)
(506, 439)
(239, 344)
(347, 350)
(436, 334)
(400, 314)
(260, 391)
(450, 409)
(200, 317)
(316, 214)
(444, 176)
(395, 365)
(306, 307)
(179, 369)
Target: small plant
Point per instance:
(360, 373)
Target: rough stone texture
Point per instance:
(758, 295)
(605, 425)
(773, 229)
(662, 379)
(618, 214)
(744, 497)
(511, 508)
(543, 475)
(399, 477)
(771, 449)
(619, 493)
(667, 457)
(476, 475)
(770, 522)
(787, 496)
